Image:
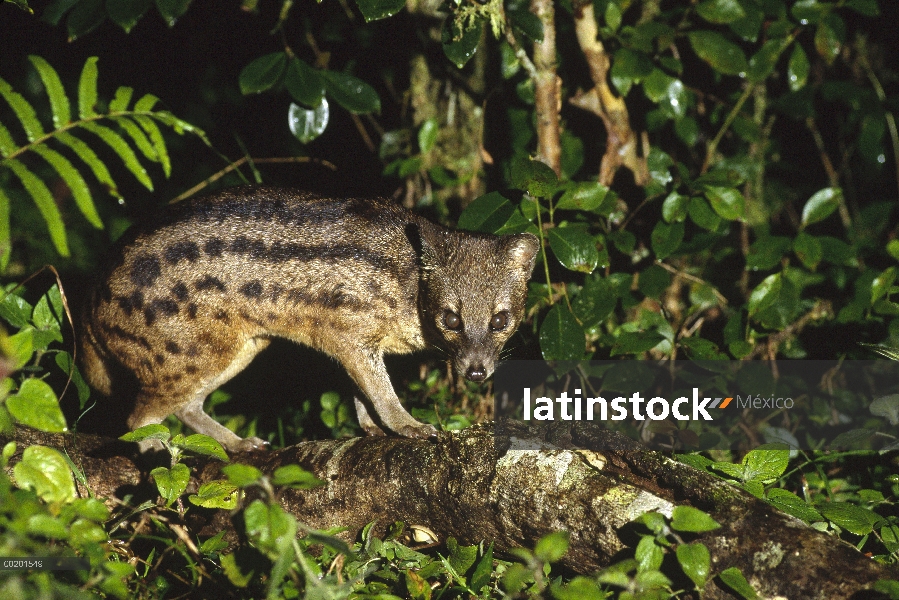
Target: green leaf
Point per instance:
(765, 294)
(850, 517)
(172, 10)
(263, 73)
(20, 347)
(695, 560)
(527, 23)
(792, 504)
(595, 302)
(46, 471)
(733, 578)
(296, 477)
(798, 68)
(59, 102)
(722, 55)
(46, 204)
(148, 432)
(534, 176)
(5, 239)
(561, 336)
(304, 83)
(139, 137)
(766, 252)
(869, 8)
(203, 444)
(809, 250)
(87, 89)
(90, 158)
(459, 46)
(215, 494)
(121, 100)
(461, 558)
(552, 547)
(427, 135)
(486, 214)
(64, 361)
(14, 309)
(649, 554)
(171, 483)
(80, 192)
(584, 195)
(242, 475)
(702, 214)
(687, 518)
(574, 248)
(146, 103)
(373, 10)
(882, 284)
(887, 407)
(24, 111)
(698, 348)
(121, 147)
(126, 13)
(36, 405)
(635, 342)
(628, 67)
(821, 205)
(829, 37)
(674, 207)
(150, 128)
(85, 17)
(727, 202)
(720, 11)
(351, 92)
(666, 238)
(7, 144)
(483, 570)
(270, 528)
(765, 465)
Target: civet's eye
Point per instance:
(452, 320)
(499, 321)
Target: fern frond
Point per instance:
(59, 102)
(24, 111)
(45, 204)
(87, 89)
(137, 128)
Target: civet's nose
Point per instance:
(476, 373)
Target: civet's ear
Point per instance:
(522, 248)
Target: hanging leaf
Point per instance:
(304, 83)
(152, 130)
(45, 204)
(373, 10)
(727, 202)
(351, 92)
(765, 294)
(59, 102)
(263, 73)
(666, 238)
(172, 10)
(584, 195)
(90, 158)
(574, 248)
(561, 336)
(80, 192)
(85, 17)
(121, 147)
(87, 89)
(126, 13)
(24, 111)
(720, 11)
(460, 46)
(139, 138)
(798, 68)
(306, 124)
(821, 205)
(722, 55)
(7, 145)
(487, 213)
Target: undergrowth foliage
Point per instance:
(137, 122)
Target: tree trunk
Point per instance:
(475, 485)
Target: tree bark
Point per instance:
(475, 485)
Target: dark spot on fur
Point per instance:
(160, 359)
(209, 282)
(222, 316)
(190, 369)
(250, 319)
(146, 363)
(251, 289)
(145, 270)
(275, 292)
(149, 316)
(179, 251)
(118, 332)
(240, 244)
(257, 249)
(180, 291)
(192, 310)
(165, 306)
(214, 247)
(176, 377)
(172, 348)
(335, 298)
